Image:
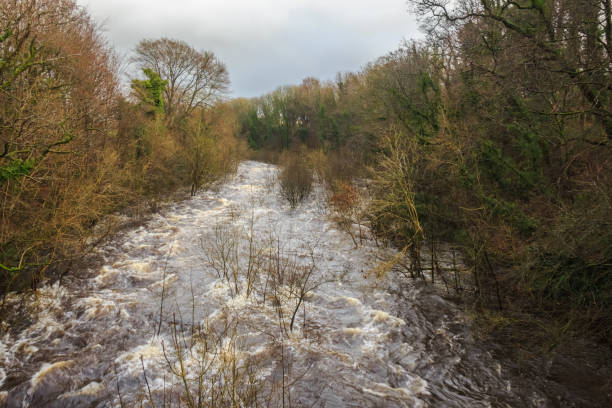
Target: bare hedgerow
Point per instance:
(251, 266)
(208, 368)
(209, 363)
(236, 255)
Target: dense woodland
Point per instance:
(492, 135)
(74, 148)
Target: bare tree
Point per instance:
(195, 78)
(569, 40)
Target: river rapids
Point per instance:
(232, 298)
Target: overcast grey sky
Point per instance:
(265, 43)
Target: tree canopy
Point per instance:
(194, 78)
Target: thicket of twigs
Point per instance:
(73, 149)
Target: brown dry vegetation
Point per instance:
(296, 177)
(73, 149)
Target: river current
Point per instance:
(252, 303)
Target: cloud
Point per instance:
(265, 43)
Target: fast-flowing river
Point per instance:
(196, 307)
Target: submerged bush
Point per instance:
(296, 178)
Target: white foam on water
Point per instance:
(350, 334)
(93, 388)
(96, 307)
(106, 276)
(151, 353)
(170, 279)
(45, 370)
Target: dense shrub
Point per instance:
(74, 149)
(295, 178)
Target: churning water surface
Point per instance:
(107, 338)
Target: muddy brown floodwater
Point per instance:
(230, 267)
